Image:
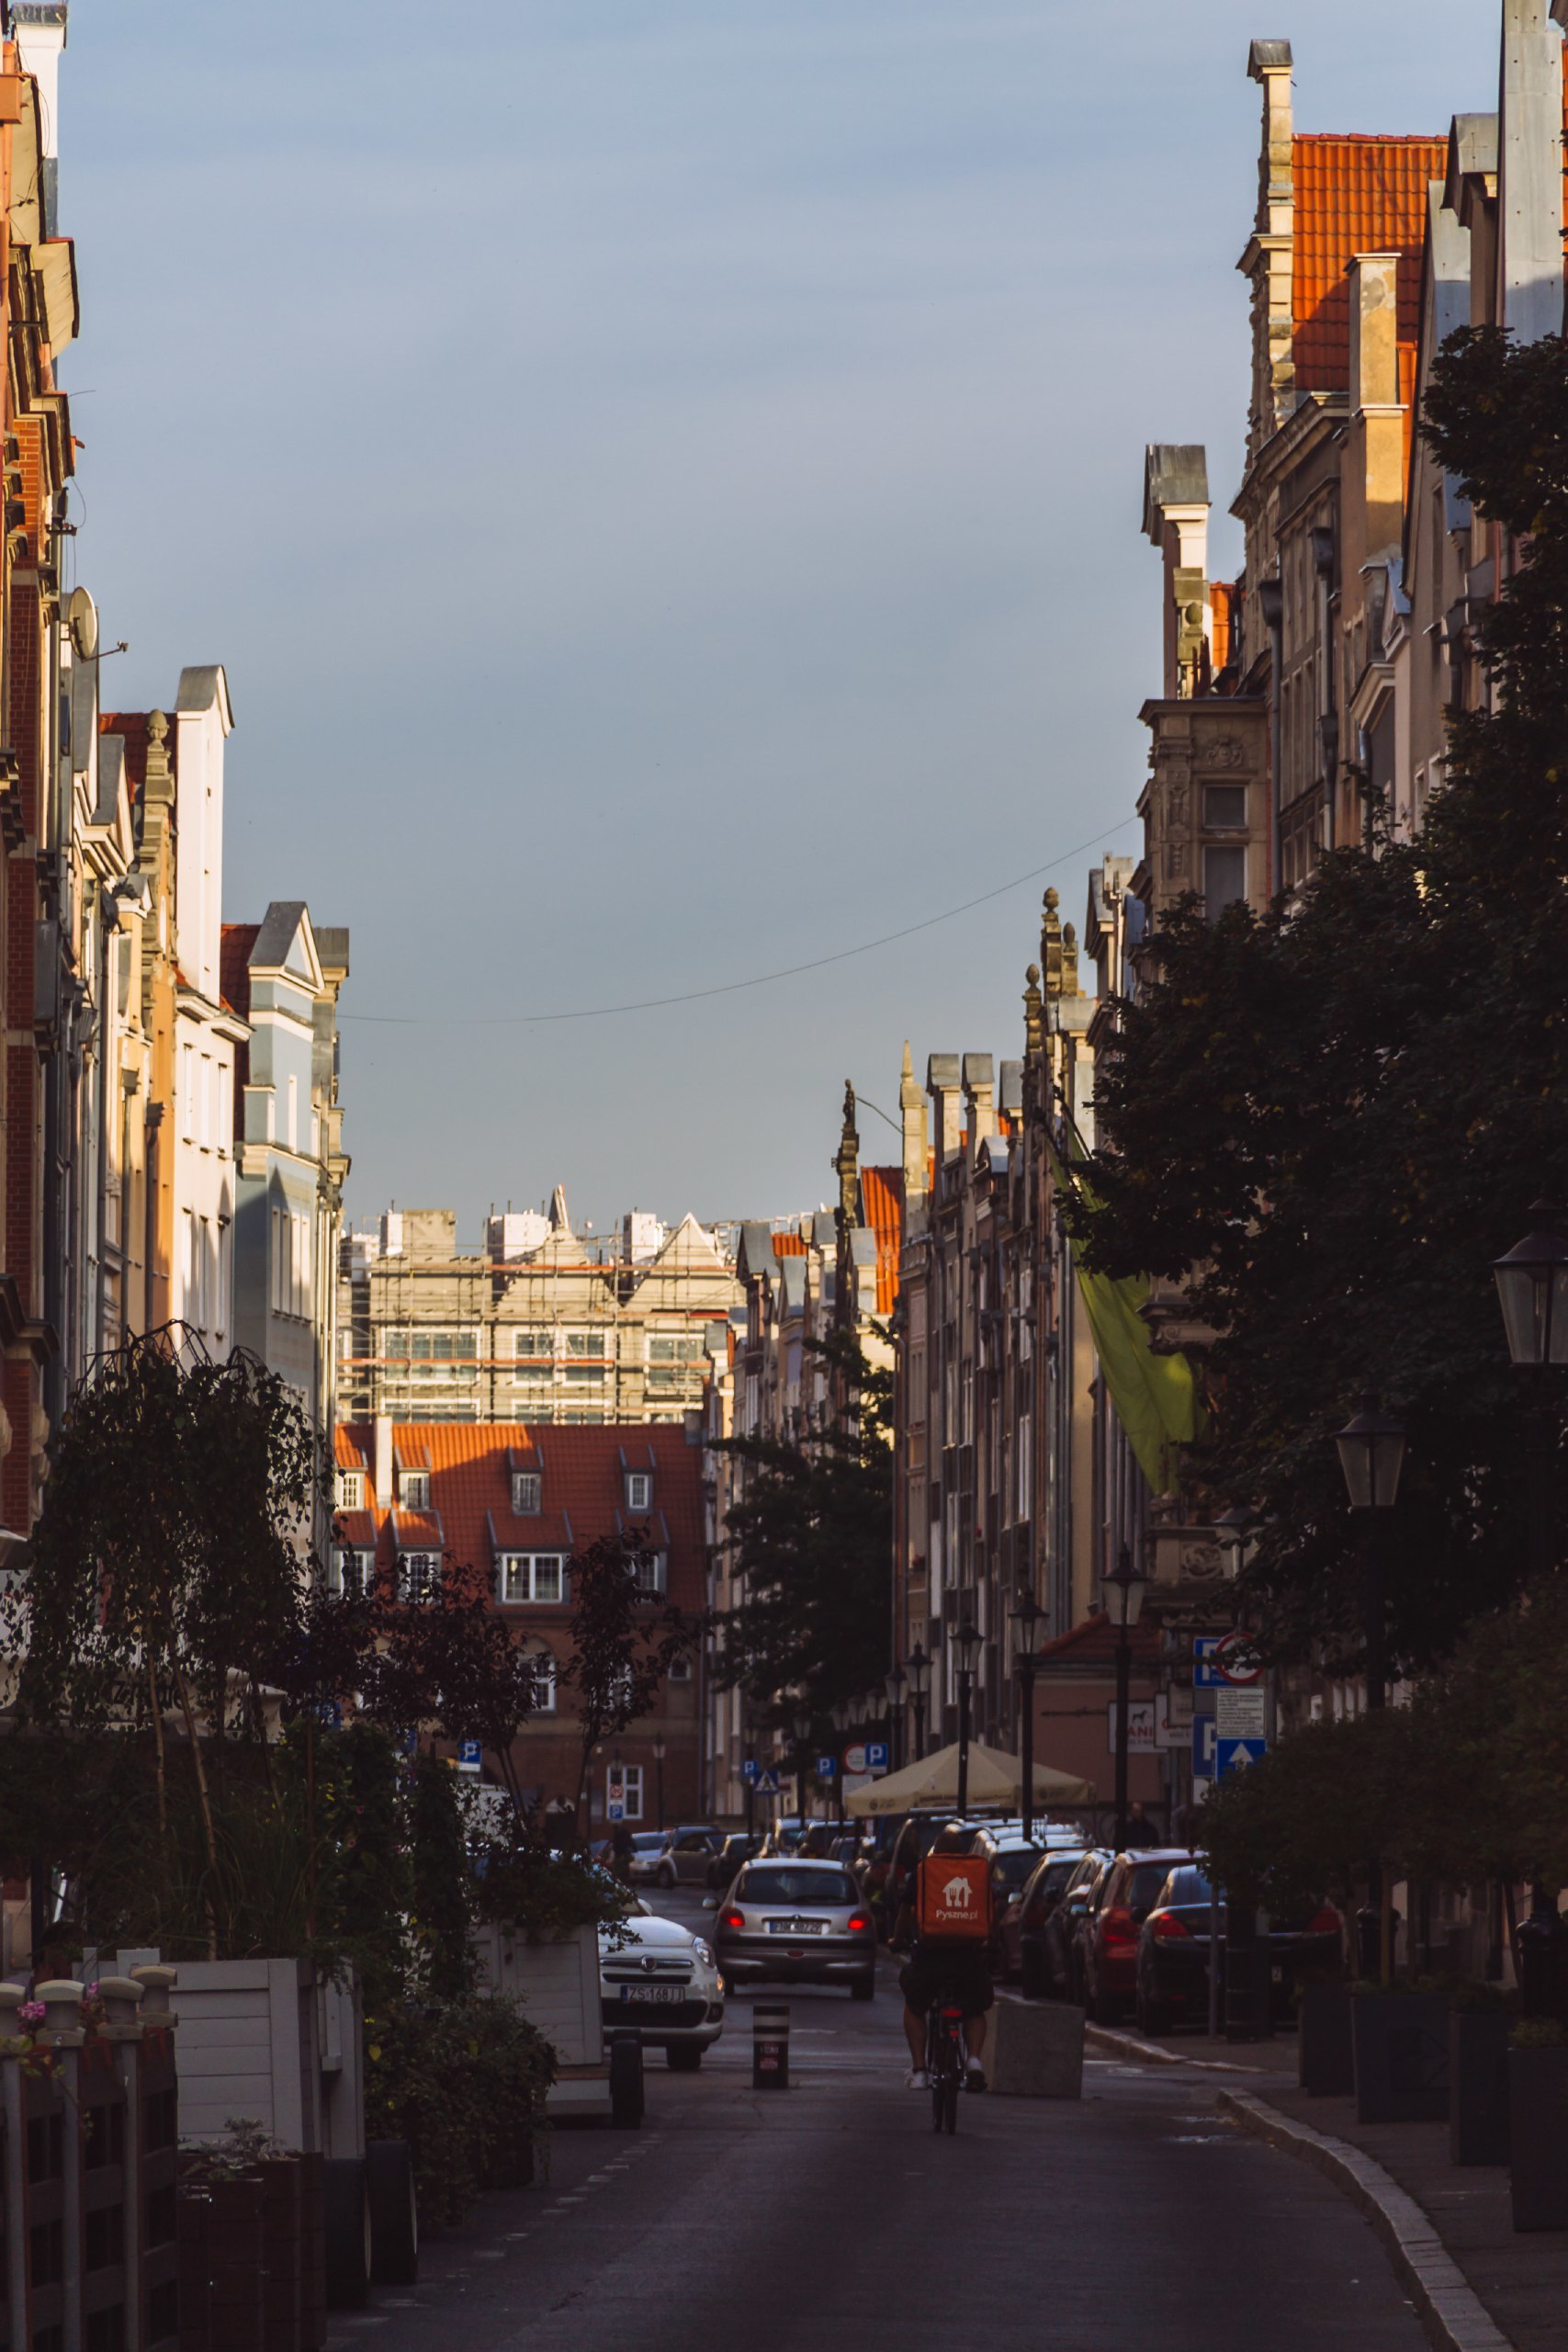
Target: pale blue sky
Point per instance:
(664, 482)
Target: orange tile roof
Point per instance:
(582, 1496)
(788, 1245)
(1353, 195)
(882, 1206)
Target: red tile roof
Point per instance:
(582, 1495)
(132, 726)
(1093, 1641)
(1354, 194)
(882, 1206)
(788, 1245)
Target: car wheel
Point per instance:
(684, 2057)
(864, 1989)
(667, 1878)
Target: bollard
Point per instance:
(770, 2049)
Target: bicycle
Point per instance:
(946, 2061)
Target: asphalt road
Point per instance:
(832, 2217)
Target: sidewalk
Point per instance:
(1520, 2280)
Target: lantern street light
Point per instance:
(919, 1684)
(966, 1640)
(1123, 1590)
(1026, 1617)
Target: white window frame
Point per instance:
(545, 1674)
(639, 1492)
(527, 1494)
(651, 1570)
(351, 1490)
(520, 1579)
(419, 1578)
(631, 1779)
(414, 1490)
(338, 1580)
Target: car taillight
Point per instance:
(1167, 1926)
(859, 1920)
(732, 1919)
(1326, 1922)
(1116, 1928)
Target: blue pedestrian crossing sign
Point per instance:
(766, 1783)
(1237, 1755)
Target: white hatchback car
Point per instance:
(659, 1979)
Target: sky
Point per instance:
(664, 483)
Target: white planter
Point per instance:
(556, 1985)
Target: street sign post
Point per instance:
(1237, 1661)
(469, 1755)
(824, 1768)
(1206, 1675)
(766, 1783)
(1241, 1714)
(752, 1770)
(1235, 1754)
(1203, 1748)
(876, 1756)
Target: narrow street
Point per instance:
(835, 2216)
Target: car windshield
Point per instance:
(1145, 1883)
(1013, 1865)
(1186, 1886)
(649, 1841)
(813, 1888)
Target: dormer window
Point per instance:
(351, 1490)
(527, 1487)
(640, 1490)
(414, 1490)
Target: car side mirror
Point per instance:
(710, 1903)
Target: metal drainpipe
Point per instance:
(1272, 603)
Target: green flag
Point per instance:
(1155, 1397)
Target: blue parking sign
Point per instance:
(826, 1767)
(1203, 1743)
(876, 1756)
(752, 1770)
(469, 1755)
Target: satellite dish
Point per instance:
(82, 620)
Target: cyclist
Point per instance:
(959, 1970)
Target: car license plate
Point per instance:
(653, 1993)
(798, 1927)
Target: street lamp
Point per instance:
(1026, 1617)
(1233, 1533)
(966, 1640)
(919, 1684)
(659, 1775)
(1532, 1284)
(1123, 1590)
(1371, 1456)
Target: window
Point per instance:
(544, 1664)
(586, 1344)
(419, 1575)
(1224, 879)
(640, 1490)
(527, 1487)
(349, 1572)
(428, 1344)
(533, 1346)
(1225, 806)
(650, 1575)
(584, 1376)
(532, 1576)
(623, 1786)
(675, 1347)
(680, 1669)
(351, 1489)
(187, 1090)
(293, 1115)
(414, 1490)
(205, 1101)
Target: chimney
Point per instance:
(39, 29)
(1530, 173)
(1374, 331)
(941, 1085)
(1175, 520)
(912, 1119)
(1269, 258)
(385, 1496)
(979, 1096)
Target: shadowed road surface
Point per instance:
(833, 2216)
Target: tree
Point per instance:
(813, 1538)
(622, 1645)
(167, 1564)
(1327, 1120)
(452, 1665)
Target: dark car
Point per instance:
(1172, 1985)
(1011, 1861)
(913, 1843)
(1108, 1939)
(738, 1847)
(1059, 1939)
(802, 1922)
(1024, 1922)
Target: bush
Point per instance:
(465, 2086)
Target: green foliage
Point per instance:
(623, 1644)
(1328, 1125)
(1538, 2033)
(813, 1546)
(465, 2086)
(442, 1882)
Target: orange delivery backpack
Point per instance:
(953, 1899)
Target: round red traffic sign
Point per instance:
(1237, 1660)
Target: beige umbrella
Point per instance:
(994, 1779)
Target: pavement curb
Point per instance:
(1132, 2045)
(1451, 2312)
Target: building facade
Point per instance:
(541, 1324)
(516, 1501)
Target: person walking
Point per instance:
(621, 1851)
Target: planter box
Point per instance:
(1478, 2086)
(556, 1985)
(1036, 2052)
(1400, 2046)
(1325, 2064)
(1537, 2130)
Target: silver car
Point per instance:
(796, 1922)
(659, 1979)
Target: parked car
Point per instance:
(1010, 1859)
(657, 1978)
(1107, 1937)
(1172, 1985)
(801, 1921)
(1023, 1920)
(679, 1854)
(738, 1847)
(1059, 1942)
